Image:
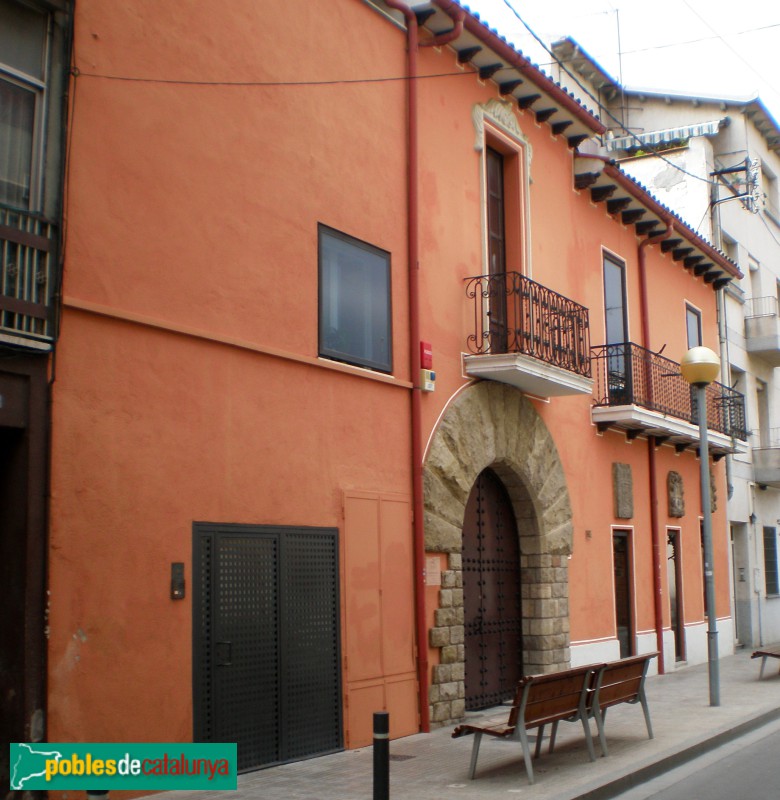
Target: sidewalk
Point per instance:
(435, 766)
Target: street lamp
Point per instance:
(700, 367)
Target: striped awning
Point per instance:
(668, 135)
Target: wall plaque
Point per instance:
(674, 487)
(623, 490)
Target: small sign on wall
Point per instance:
(432, 571)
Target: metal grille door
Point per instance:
(491, 594)
(266, 647)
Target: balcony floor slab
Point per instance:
(528, 374)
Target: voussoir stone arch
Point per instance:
(493, 425)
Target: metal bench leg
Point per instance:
(475, 754)
(526, 753)
(588, 738)
(540, 740)
(600, 727)
(643, 701)
(763, 664)
(553, 734)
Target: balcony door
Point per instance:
(616, 331)
(496, 230)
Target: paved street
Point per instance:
(434, 766)
(746, 767)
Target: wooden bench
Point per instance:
(540, 700)
(620, 682)
(764, 654)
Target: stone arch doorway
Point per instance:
(493, 426)
(492, 610)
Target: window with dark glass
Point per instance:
(693, 326)
(770, 560)
(616, 331)
(615, 301)
(355, 311)
(23, 33)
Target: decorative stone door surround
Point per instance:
(493, 425)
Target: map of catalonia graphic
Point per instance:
(23, 768)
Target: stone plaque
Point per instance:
(432, 571)
(623, 490)
(674, 486)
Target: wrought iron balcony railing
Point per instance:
(513, 314)
(27, 274)
(627, 374)
(765, 439)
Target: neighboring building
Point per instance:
(716, 162)
(278, 227)
(33, 79)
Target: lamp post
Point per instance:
(700, 367)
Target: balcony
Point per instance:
(762, 329)
(642, 392)
(527, 336)
(27, 279)
(766, 457)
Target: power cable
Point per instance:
(261, 84)
(589, 94)
(719, 36)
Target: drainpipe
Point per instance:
(655, 525)
(414, 358)
(457, 14)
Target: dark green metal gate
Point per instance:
(266, 657)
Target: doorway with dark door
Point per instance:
(621, 554)
(675, 583)
(491, 594)
(24, 426)
(266, 651)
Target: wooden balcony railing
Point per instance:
(27, 274)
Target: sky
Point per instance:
(726, 48)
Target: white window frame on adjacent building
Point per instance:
(770, 190)
(24, 48)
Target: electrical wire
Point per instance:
(387, 79)
(718, 35)
(262, 84)
(695, 41)
(769, 230)
(606, 111)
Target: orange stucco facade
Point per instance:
(205, 149)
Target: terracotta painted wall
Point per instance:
(568, 235)
(188, 385)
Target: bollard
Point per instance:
(381, 755)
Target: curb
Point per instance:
(674, 760)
